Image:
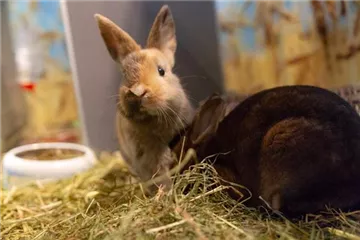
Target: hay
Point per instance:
(103, 204)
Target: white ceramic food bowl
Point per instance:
(19, 170)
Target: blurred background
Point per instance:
(38, 97)
(266, 44)
(58, 82)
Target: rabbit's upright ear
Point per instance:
(162, 34)
(207, 119)
(117, 41)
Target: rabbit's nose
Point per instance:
(138, 91)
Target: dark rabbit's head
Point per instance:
(204, 125)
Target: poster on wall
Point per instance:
(44, 72)
(270, 43)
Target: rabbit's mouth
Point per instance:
(135, 109)
(144, 107)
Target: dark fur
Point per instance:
(298, 147)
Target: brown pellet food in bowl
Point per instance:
(50, 154)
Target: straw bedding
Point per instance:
(103, 203)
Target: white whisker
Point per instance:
(159, 118)
(167, 124)
(193, 76)
(113, 96)
(178, 116)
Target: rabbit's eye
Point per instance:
(161, 71)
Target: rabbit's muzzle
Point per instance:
(131, 104)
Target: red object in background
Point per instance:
(63, 136)
(28, 86)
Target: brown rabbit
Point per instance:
(153, 105)
(296, 147)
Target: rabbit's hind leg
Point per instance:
(296, 153)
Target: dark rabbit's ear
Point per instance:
(207, 119)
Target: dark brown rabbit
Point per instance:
(296, 148)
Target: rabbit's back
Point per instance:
(298, 147)
(255, 116)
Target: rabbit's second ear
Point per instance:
(117, 41)
(162, 34)
(207, 119)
